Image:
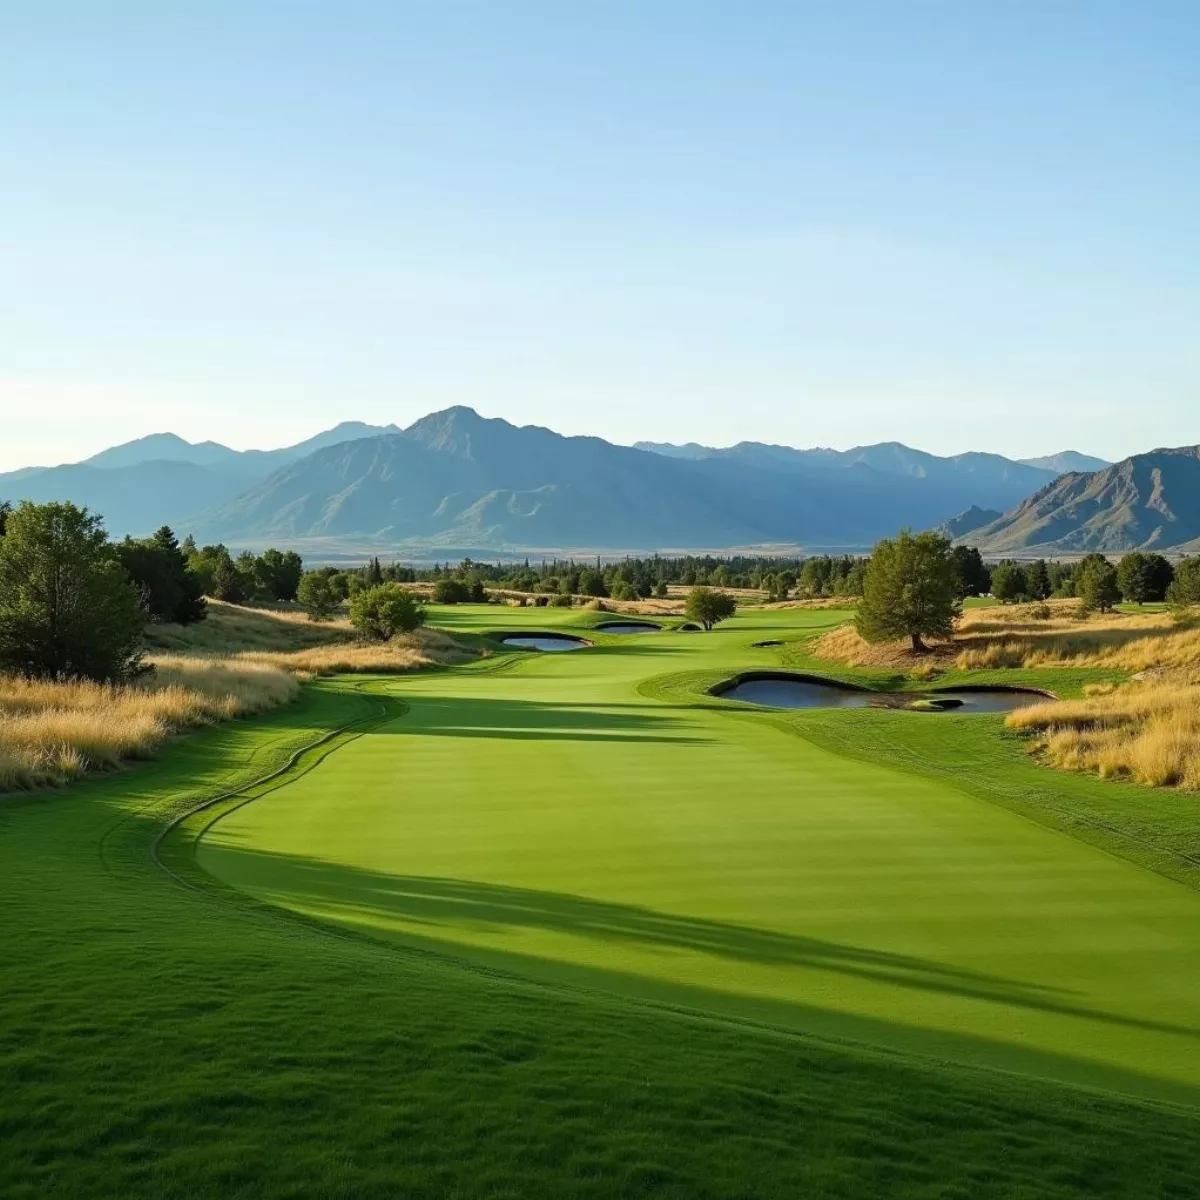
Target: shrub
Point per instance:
(451, 591)
(380, 612)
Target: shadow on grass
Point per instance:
(516, 720)
(435, 907)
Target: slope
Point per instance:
(1149, 501)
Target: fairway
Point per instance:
(594, 820)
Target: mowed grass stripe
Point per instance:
(553, 819)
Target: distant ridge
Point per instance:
(1148, 501)
(1067, 461)
(456, 479)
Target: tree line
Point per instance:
(75, 604)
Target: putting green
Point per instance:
(546, 814)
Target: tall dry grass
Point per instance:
(51, 733)
(1147, 730)
(1041, 635)
(237, 662)
(406, 652)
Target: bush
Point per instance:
(380, 612)
(451, 591)
(561, 601)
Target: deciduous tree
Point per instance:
(910, 590)
(707, 607)
(67, 607)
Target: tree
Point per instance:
(706, 607)
(1037, 580)
(971, 575)
(1009, 582)
(170, 589)
(1097, 586)
(319, 595)
(5, 513)
(277, 574)
(591, 583)
(1185, 587)
(67, 608)
(660, 590)
(910, 590)
(451, 591)
(1133, 577)
(228, 583)
(382, 611)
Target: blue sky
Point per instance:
(958, 225)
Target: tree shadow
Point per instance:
(435, 907)
(517, 720)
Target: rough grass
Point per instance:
(230, 628)
(1035, 635)
(407, 652)
(1146, 730)
(52, 733)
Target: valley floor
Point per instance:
(563, 924)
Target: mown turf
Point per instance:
(158, 1039)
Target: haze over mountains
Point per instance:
(456, 479)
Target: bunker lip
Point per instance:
(619, 627)
(551, 642)
(817, 691)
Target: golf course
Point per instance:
(637, 937)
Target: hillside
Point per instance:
(1149, 501)
(162, 478)
(455, 478)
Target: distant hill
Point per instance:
(1149, 501)
(974, 518)
(161, 478)
(135, 499)
(1067, 461)
(456, 478)
(959, 481)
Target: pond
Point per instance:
(552, 642)
(629, 627)
(812, 692)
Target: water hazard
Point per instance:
(552, 642)
(816, 693)
(629, 627)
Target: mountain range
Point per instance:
(1147, 502)
(456, 479)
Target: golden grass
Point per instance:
(51, 733)
(1038, 635)
(1145, 730)
(230, 628)
(406, 652)
(237, 662)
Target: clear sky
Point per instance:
(962, 225)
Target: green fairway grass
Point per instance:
(566, 925)
(554, 820)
